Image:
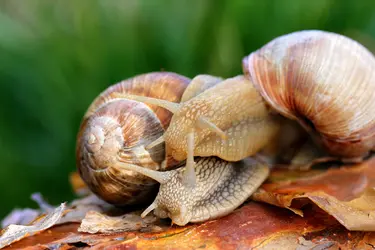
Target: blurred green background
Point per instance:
(57, 56)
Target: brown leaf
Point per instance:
(74, 212)
(96, 222)
(345, 193)
(77, 209)
(345, 183)
(358, 214)
(253, 226)
(16, 232)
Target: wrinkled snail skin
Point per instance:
(116, 130)
(325, 81)
(221, 187)
(199, 84)
(235, 109)
(232, 106)
(228, 119)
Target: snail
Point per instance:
(326, 82)
(227, 119)
(199, 84)
(113, 161)
(117, 130)
(320, 79)
(221, 187)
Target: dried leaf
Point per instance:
(26, 216)
(95, 222)
(345, 193)
(15, 233)
(253, 226)
(358, 214)
(77, 209)
(345, 183)
(20, 217)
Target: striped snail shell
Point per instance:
(326, 82)
(114, 131)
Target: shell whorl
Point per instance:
(324, 80)
(117, 130)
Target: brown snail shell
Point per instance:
(118, 129)
(325, 81)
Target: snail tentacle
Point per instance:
(170, 106)
(203, 123)
(149, 209)
(190, 175)
(155, 143)
(161, 177)
(221, 187)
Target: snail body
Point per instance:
(115, 131)
(323, 80)
(199, 84)
(113, 160)
(229, 120)
(221, 187)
